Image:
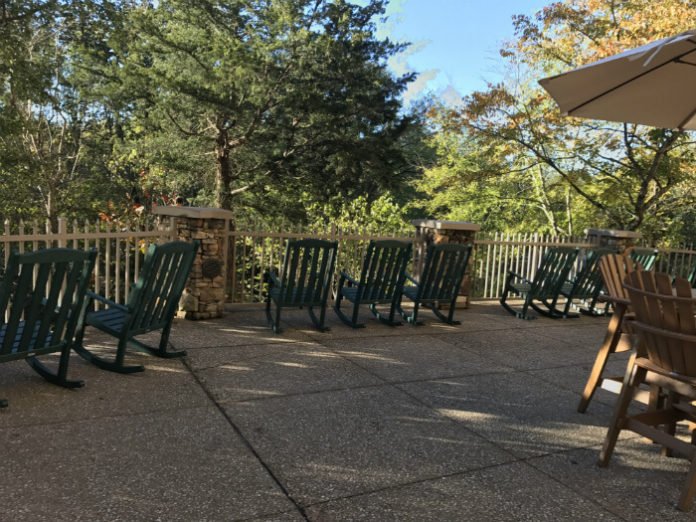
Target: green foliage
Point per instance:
(511, 161)
(56, 142)
(275, 98)
(382, 216)
(250, 105)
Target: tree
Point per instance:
(281, 96)
(55, 143)
(472, 182)
(587, 173)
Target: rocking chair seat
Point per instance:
(18, 338)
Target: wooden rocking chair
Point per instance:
(587, 284)
(42, 305)
(381, 280)
(440, 282)
(546, 286)
(151, 306)
(305, 280)
(667, 359)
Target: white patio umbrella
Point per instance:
(654, 85)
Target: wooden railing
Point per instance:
(121, 249)
(254, 250)
(495, 254)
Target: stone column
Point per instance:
(204, 297)
(621, 239)
(429, 231)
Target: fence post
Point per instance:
(62, 232)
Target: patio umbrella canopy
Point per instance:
(653, 85)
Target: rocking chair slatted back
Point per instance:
(307, 271)
(155, 295)
(645, 257)
(383, 270)
(443, 272)
(588, 282)
(553, 272)
(41, 300)
(665, 320)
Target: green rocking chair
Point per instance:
(42, 305)
(151, 306)
(305, 280)
(546, 286)
(587, 285)
(381, 280)
(645, 257)
(440, 282)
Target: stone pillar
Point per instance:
(430, 231)
(205, 294)
(621, 239)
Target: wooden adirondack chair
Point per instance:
(587, 284)
(152, 303)
(614, 269)
(645, 257)
(666, 326)
(546, 286)
(42, 305)
(439, 283)
(305, 280)
(381, 280)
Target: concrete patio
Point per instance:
(474, 422)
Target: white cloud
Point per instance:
(419, 85)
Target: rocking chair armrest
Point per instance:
(272, 278)
(346, 277)
(606, 298)
(410, 278)
(102, 299)
(514, 275)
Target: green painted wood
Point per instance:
(587, 284)
(692, 277)
(42, 303)
(440, 281)
(546, 286)
(381, 279)
(152, 303)
(645, 257)
(305, 280)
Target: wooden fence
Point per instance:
(121, 249)
(254, 250)
(495, 254)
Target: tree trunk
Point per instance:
(223, 197)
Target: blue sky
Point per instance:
(455, 43)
